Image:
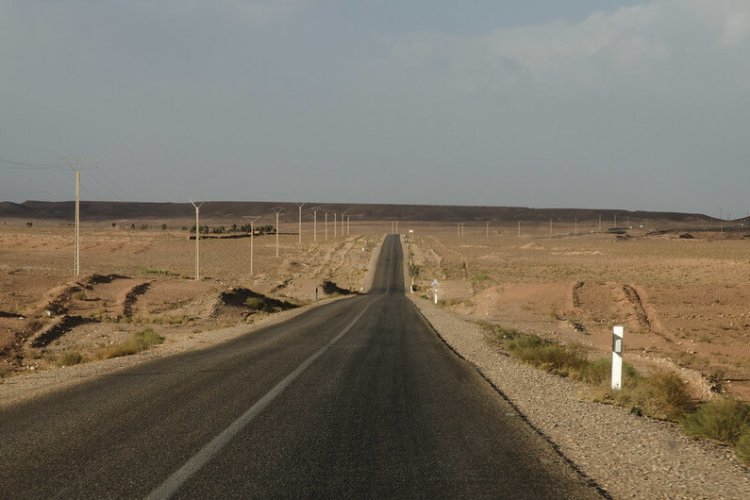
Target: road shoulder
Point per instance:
(628, 456)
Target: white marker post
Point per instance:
(435, 285)
(617, 334)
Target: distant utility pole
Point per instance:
(334, 224)
(348, 227)
(197, 240)
(343, 214)
(325, 212)
(315, 223)
(252, 238)
(77, 260)
(277, 211)
(300, 205)
(74, 165)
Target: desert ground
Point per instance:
(140, 274)
(682, 295)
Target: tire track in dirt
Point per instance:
(575, 294)
(634, 298)
(57, 329)
(130, 298)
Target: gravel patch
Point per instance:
(628, 456)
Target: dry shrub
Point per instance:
(140, 341)
(69, 358)
(551, 357)
(722, 419)
(661, 394)
(742, 448)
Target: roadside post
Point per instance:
(435, 285)
(617, 334)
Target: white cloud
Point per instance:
(657, 40)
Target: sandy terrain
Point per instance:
(683, 301)
(132, 279)
(683, 298)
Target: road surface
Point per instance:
(357, 399)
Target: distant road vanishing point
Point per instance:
(357, 399)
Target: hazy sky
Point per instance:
(542, 103)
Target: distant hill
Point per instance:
(104, 210)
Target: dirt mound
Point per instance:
(331, 288)
(57, 329)
(254, 301)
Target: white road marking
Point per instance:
(173, 483)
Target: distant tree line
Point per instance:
(234, 228)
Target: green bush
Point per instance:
(69, 358)
(722, 419)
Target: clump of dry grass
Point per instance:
(660, 394)
(721, 419)
(725, 420)
(140, 341)
(566, 361)
(69, 358)
(742, 448)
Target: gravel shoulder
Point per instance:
(628, 456)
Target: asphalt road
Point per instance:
(357, 399)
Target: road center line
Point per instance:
(170, 486)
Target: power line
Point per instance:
(23, 165)
(102, 185)
(114, 183)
